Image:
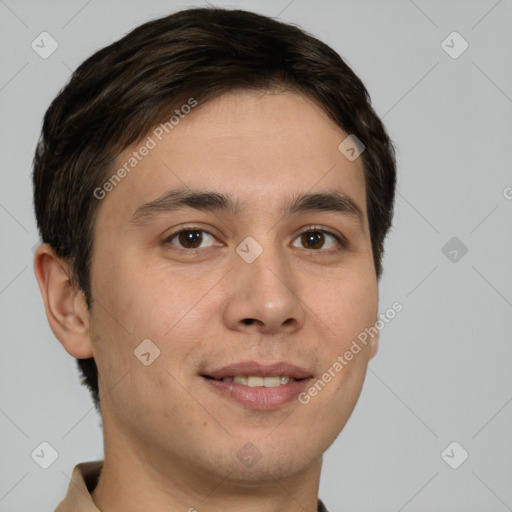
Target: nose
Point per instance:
(262, 296)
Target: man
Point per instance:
(213, 192)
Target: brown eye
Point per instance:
(189, 238)
(313, 239)
(317, 239)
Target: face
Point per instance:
(251, 276)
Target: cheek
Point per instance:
(349, 305)
(142, 301)
(120, 317)
(134, 305)
(346, 304)
(131, 296)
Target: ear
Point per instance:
(65, 305)
(374, 345)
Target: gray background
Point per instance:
(443, 371)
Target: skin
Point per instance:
(171, 442)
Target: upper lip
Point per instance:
(281, 369)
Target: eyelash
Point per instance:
(339, 238)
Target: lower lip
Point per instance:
(259, 397)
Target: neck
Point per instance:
(136, 477)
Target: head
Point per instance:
(252, 123)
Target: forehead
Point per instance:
(252, 146)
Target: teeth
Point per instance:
(254, 381)
(271, 382)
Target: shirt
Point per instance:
(83, 481)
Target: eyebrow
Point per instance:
(330, 201)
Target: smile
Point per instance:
(254, 381)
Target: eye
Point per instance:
(190, 238)
(315, 238)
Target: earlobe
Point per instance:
(65, 305)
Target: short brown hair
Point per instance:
(116, 96)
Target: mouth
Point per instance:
(258, 386)
(254, 381)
